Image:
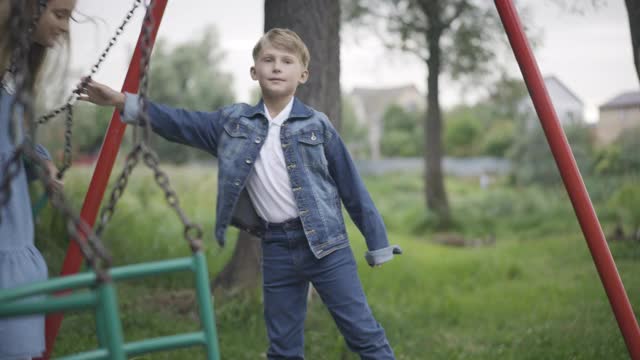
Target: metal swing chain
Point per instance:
(68, 145)
(94, 69)
(68, 106)
(192, 232)
(96, 256)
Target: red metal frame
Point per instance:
(572, 179)
(100, 178)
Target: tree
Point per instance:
(452, 36)
(633, 12)
(318, 24)
(505, 95)
(189, 76)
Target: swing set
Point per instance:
(101, 296)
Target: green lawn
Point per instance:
(535, 294)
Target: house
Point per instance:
(620, 113)
(370, 105)
(568, 106)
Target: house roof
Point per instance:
(624, 100)
(376, 100)
(553, 78)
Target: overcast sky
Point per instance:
(590, 53)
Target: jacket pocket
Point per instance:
(311, 147)
(235, 142)
(236, 130)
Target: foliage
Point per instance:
(467, 28)
(463, 132)
(189, 76)
(622, 156)
(499, 138)
(532, 159)
(90, 126)
(403, 134)
(626, 202)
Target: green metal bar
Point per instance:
(146, 346)
(50, 304)
(112, 325)
(89, 278)
(100, 354)
(164, 343)
(48, 286)
(109, 328)
(205, 304)
(152, 268)
(101, 332)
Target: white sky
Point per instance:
(590, 53)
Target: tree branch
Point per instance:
(460, 8)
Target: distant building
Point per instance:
(568, 106)
(370, 105)
(620, 113)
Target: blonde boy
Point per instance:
(283, 174)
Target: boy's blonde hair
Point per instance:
(284, 39)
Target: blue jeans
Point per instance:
(288, 267)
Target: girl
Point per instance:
(20, 262)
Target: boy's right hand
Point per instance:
(100, 94)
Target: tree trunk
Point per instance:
(633, 12)
(242, 272)
(318, 24)
(434, 183)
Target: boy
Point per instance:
(283, 170)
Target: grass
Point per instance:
(535, 294)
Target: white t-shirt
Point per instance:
(268, 184)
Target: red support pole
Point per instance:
(572, 179)
(100, 179)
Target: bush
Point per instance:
(622, 156)
(626, 203)
(499, 139)
(402, 135)
(462, 134)
(533, 162)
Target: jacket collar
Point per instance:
(298, 111)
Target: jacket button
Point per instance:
(248, 161)
(237, 183)
(258, 140)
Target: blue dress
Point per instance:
(20, 261)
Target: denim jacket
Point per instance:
(321, 171)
